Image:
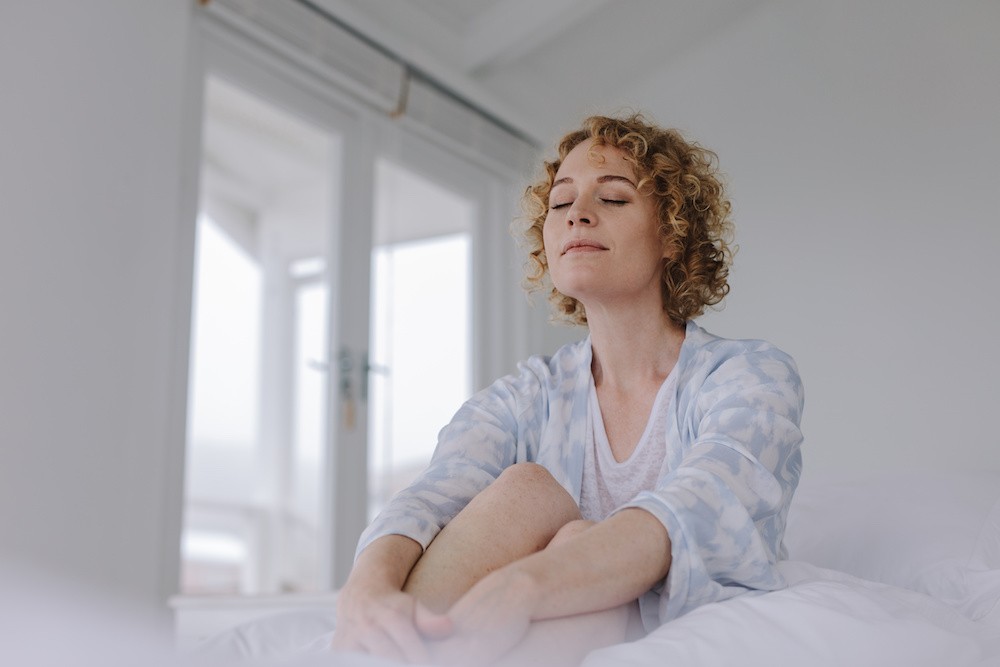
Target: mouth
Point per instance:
(582, 245)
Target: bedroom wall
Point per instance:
(90, 196)
(862, 145)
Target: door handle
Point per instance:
(346, 365)
(369, 367)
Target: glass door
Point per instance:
(428, 214)
(421, 323)
(349, 294)
(268, 404)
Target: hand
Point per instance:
(384, 623)
(487, 622)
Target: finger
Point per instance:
(341, 644)
(408, 640)
(343, 641)
(432, 625)
(380, 644)
(452, 653)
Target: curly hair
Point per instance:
(691, 203)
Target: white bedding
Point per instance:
(935, 533)
(823, 618)
(886, 571)
(917, 583)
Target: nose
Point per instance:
(579, 214)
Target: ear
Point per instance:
(671, 253)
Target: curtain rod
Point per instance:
(413, 71)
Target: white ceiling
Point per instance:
(541, 64)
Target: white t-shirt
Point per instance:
(608, 484)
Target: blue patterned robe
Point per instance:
(732, 461)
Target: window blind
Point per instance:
(301, 32)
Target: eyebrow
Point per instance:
(601, 179)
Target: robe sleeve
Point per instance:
(494, 429)
(725, 503)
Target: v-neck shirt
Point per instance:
(608, 483)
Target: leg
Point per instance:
(522, 512)
(514, 517)
(566, 641)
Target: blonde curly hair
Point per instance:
(692, 208)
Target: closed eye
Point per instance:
(613, 202)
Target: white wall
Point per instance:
(862, 144)
(91, 196)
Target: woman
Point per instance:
(651, 461)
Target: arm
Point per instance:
(373, 614)
(610, 564)
(725, 501)
(481, 441)
(496, 428)
(384, 565)
(601, 568)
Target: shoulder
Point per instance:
(707, 354)
(543, 376)
(712, 365)
(568, 362)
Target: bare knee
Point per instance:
(531, 474)
(570, 529)
(533, 485)
(515, 516)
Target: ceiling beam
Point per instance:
(512, 28)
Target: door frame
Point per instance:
(220, 52)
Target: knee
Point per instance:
(526, 474)
(570, 529)
(530, 480)
(534, 485)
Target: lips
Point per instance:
(582, 245)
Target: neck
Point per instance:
(634, 348)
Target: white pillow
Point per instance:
(823, 619)
(934, 533)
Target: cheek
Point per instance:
(548, 237)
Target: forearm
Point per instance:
(385, 563)
(607, 565)
(374, 615)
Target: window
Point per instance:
(421, 323)
(256, 517)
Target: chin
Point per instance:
(579, 282)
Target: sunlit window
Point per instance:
(256, 510)
(421, 325)
(225, 380)
(223, 430)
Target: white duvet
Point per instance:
(823, 618)
(911, 578)
(933, 546)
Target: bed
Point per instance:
(885, 569)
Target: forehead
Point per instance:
(588, 157)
